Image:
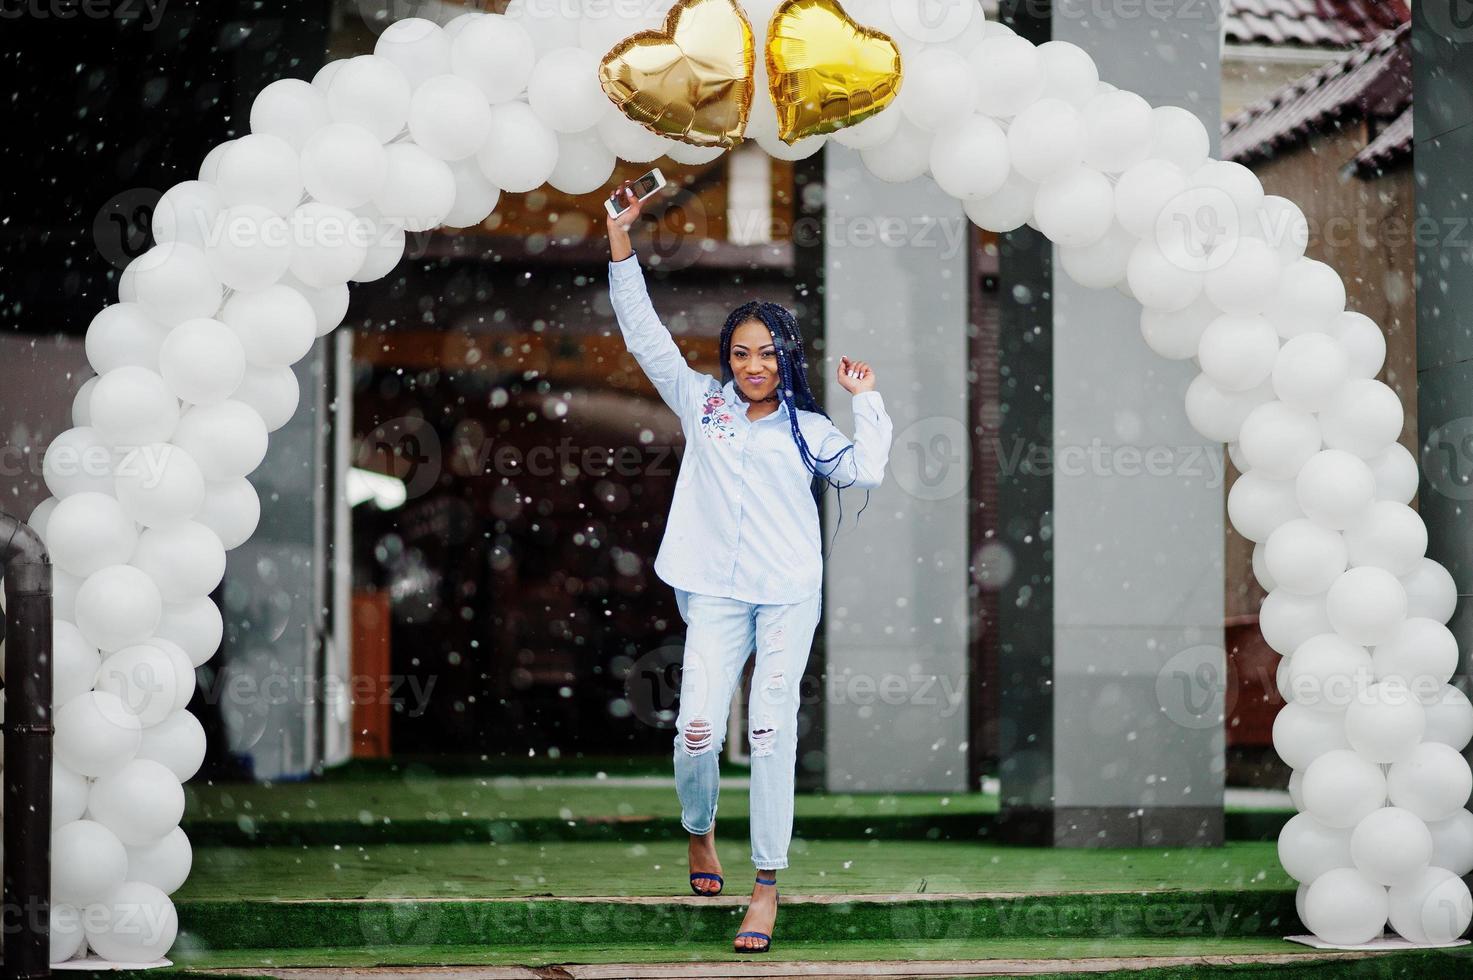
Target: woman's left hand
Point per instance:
(856, 376)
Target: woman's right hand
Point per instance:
(619, 227)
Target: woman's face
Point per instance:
(753, 360)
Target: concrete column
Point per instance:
(1111, 657)
(895, 599)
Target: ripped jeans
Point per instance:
(719, 637)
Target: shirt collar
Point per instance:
(734, 396)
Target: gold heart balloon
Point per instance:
(826, 72)
(691, 81)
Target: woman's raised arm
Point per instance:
(680, 385)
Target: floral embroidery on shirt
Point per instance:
(716, 419)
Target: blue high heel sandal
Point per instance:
(709, 876)
(760, 935)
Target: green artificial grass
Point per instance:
(660, 869)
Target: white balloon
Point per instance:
(227, 440)
(1363, 341)
(1010, 75)
(901, 158)
(547, 22)
(1302, 734)
(260, 170)
(185, 559)
(276, 325)
(147, 681)
(1432, 781)
(344, 165)
(64, 589)
(1452, 842)
(1431, 591)
(418, 189)
(231, 509)
(140, 802)
(1238, 352)
(75, 671)
(475, 196)
(1117, 131)
(1449, 718)
(520, 151)
(969, 158)
(1176, 334)
(1282, 225)
(1309, 297)
(1161, 283)
(1329, 673)
(202, 361)
(1310, 370)
(386, 243)
(1308, 849)
(1100, 264)
(87, 861)
(1075, 208)
(940, 89)
(1391, 845)
(1304, 557)
(1346, 908)
(329, 244)
(291, 110)
(418, 47)
(67, 937)
(1008, 209)
(449, 117)
(1365, 417)
(1178, 136)
(1288, 620)
(1218, 414)
(95, 733)
(329, 303)
(497, 54)
(164, 863)
(371, 92)
(628, 140)
(1258, 505)
(134, 923)
(584, 163)
(1070, 72)
(869, 132)
(1367, 605)
(117, 606)
(1046, 139)
(1142, 191)
(123, 335)
(1396, 475)
(1388, 535)
(196, 626)
(253, 248)
(188, 212)
(209, 168)
(133, 405)
(178, 742)
(1341, 789)
(1244, 274)
(158, 484)
(1386, 723)
(273, 392)
(88, 531)
(1261, 573)
(1296, 776)
(1235, 181)
(1335, 488)
(1434, 907)
(172, 283)
(698, 156)
(564, 90)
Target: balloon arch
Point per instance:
(252, 261)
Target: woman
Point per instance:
(742, 550)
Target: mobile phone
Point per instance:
(643, 188)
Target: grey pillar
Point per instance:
(1442, 74)
(271, 685)
(895, 591)
(1111, 654)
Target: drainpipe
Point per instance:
(28, 748)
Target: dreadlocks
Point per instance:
(792, 369)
